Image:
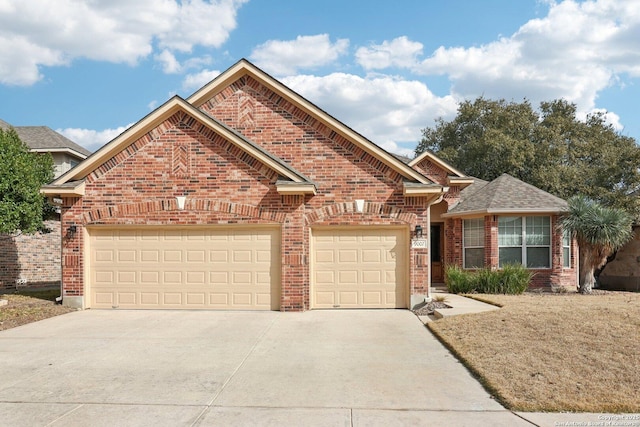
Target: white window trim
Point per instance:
(568, 266)
(524, 245)
(464, 247)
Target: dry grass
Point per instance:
(26, 307)
(553, 352)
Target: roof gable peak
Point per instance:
(243, 68)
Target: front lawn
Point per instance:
(29, 306)
(553, 352)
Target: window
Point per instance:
(525, 240)
(473, 242)
(566, 250)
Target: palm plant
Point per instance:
(599, 231)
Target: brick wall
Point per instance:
(31, 259)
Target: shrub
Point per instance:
(458, 280)
(510, 279)
(514, 279)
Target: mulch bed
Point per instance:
(29, 307)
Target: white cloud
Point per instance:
(38, 33)
(386, 110)
(198, 22)
(168, 61)
(399, 52)
(574, 52)
(285, 57)
(612, 118)
(196, 81)
(92, 139)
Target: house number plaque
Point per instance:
(418, 243)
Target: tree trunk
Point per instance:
(587, 268)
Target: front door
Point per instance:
(437, 250)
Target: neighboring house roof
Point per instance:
(43, 139)
(403, 159)
(505, 194)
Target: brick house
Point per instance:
(33, 260)
(248, 196)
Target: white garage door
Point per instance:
(359, 267)
(226, 267)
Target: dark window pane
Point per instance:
(538, 257)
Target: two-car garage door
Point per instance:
(226, 267)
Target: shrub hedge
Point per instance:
(510, 279)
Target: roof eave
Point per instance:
(296, 188)
(554, 211)
(59, 150)
(412, 189)
(461, 182)
(62, 191)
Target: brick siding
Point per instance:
(31, 260)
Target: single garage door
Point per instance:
(359, 267)
(225, 267)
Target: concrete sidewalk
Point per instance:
(459, 305)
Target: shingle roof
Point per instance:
(43, 138)
(505, 194)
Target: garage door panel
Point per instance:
(370, 268)
(150, 277)
(104, 298)
(126, 255)
(372, 298)
(221, 256)
(149, 256)
(325, 299)
(179, 267)
(172, 298)
(171, 256)
(126, 277)
(150, 298)
(172, 277)
(127, 299)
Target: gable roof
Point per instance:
(430, 155)
(292, 180)
(244, 67)
(506, 194)
(43, 139)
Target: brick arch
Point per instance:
(369, 208)
(191, 205)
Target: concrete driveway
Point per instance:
(183, 368)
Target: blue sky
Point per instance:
(386, 69)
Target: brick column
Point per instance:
(72, 259)
(491, 250)
(295, 263)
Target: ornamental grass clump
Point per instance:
(458, 280)
(510, 279)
